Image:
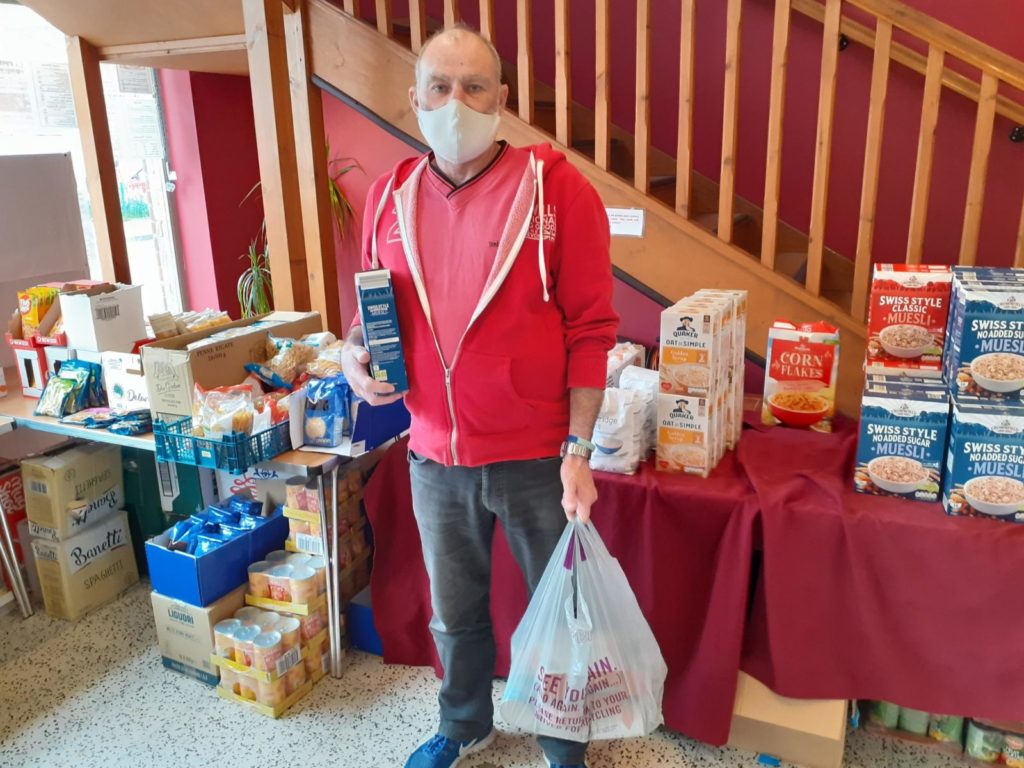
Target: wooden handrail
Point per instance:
(487, 19)
(948, 39)
(524, 59)
(451, 13)
(925, 155)
(563, 84)
(417, 24)
(983, 126)
(913, 60)
(602, 86)
(823, 144)
(384, 17)
(872, 166)
(776, 109)
(684, 138)
(642, 128)
(730, 118)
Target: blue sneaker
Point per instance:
(563, 765)
(442, 752)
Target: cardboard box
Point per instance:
(69, 491)
(103, 318)
(86, 571)
(209, 358)
(203, 580)
(184, 632)
(124, 381)
(55, 356)
(810, 733)
(31, 364)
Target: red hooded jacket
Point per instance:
(544, 323)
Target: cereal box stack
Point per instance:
(907, 318)
(274, 649)
(800, 375)
(902, 444)
(984, 371)
(701, 380)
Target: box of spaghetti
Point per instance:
(802, 366)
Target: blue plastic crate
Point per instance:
(234, 453)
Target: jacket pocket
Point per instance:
(485, 401)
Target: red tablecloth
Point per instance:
(684, 543)
(867, 597)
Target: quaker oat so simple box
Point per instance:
(985, 462)
(902, 445)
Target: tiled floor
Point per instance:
(94, 695)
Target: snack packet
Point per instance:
(56, 395)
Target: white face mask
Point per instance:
(458, 133)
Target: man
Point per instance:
(502, 276)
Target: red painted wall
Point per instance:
(211, 140)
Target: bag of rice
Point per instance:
(618, 432)
(645, 382)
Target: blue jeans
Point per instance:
(455, 509)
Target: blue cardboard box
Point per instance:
(361, 628)
(203, 580)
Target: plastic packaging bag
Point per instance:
(585, 664)
(619, 432)
(644, 381)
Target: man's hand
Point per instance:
(578, 490)
(355, 365)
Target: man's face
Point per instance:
(458, 67)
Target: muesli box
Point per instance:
(800, 375)
(902, 444)
(985, 462)
(985, 357)
(907, 318)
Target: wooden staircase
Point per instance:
(699, 232)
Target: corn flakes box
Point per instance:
(902, 444)
(685, 442)
(907, 318)
(800, 375)
(984, 474)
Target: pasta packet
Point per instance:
(327, 363)
(287, 359)
(326, 411)
(223, 410)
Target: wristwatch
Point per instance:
(577, 446)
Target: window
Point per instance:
(37, 116)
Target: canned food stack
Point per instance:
(700, 400)
(277, 646)
(984, 371)
(305, 527)
(981, 742)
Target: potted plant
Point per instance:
(255, 288)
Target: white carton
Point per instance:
(104, 322)
(124, 381)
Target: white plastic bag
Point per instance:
(618, 432)
(585, 664)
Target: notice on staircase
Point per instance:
(626, 222)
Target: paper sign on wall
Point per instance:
(626, 222)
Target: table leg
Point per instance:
(337, 646)
(10, 564)
(327, 533)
